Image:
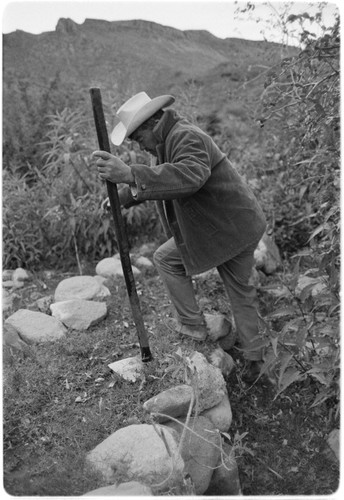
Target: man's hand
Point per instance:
(113, 169)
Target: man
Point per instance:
(211, 216)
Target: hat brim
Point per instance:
(121, 132)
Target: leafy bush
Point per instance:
(300, 113)
(57, 218)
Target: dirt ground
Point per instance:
(61, 400)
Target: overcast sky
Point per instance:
(212, 15)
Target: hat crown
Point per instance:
(136, 111)
(129, 109)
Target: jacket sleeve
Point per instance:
(186, 172)
(126, 198)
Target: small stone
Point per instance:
(333, 442)
(111, 267)
(144, 262)
(174, 402)
(7, 275)
(267, 257)
(222, 360)
(218, 325)
(44, 304)
(7, 301)
(8, 284)
(220, 415)
(129, 368)
(132, 488)
(20, 274)
(18, 284)
(208, 379)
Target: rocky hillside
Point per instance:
(133, 54)
(218, 80)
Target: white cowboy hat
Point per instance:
(134, 112)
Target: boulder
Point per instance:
(79, 314)
(199, 449)
(174, 402)
(220, 415)
(132, 488)
(143, 453)
(111, 267)
(266, 255)
(36, 327)
(80, 287)
(225, 479)
(208, 379)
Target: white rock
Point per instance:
(18, 284)
(7, 275)
(254, 278)
(129, 368)
(79, 314)
(316, 285)
(7, 301)
(147, 249)
(102, 280)
(138, 453)
(35, 327)
(333, 441)
(225, 480)
(220, 415)
(20, 274)
(200, 455)
(80, 287)
(208, 379)
(218, 325)
(44, 303)
(222, 360)
(174, 402)
(144, 262)
(267, 256)
(111, 267)
(132, 488)
(8, 284)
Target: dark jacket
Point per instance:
(211, 212)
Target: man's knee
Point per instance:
(158, 257)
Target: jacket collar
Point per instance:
(163, 127)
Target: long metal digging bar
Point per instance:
(121, 235)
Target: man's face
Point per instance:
(146, 140)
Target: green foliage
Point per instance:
(300, 114)
(57, 218)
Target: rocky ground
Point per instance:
(61, 399)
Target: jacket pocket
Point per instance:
(198, 216)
